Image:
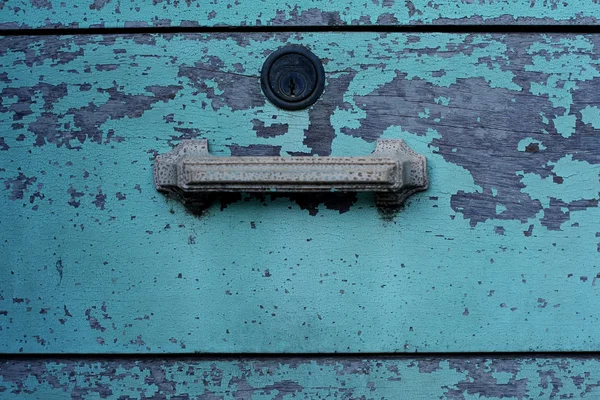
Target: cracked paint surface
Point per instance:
(95, 260)
(286, 378)
(20, 14)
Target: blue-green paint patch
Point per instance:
(565, 125)
(442, 100)
(424, 113)
(591, 115)
(580, 180)
(526, 142)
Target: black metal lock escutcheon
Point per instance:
(292, 78)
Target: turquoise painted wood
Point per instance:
(24, 14)
(500, 254)
(295, 378)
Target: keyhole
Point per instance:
(292, 85)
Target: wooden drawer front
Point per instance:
(289, 378)
(385, 14)
(500, 254)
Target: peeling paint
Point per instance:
(285, 378)
(512, 209)
(106, 14)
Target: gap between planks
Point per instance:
(465, 29)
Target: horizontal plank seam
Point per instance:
(574, 29)
(306, 356)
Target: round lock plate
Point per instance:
(292, 78)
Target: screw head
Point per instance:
(292, 78)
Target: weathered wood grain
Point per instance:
(500, 254)
(27, 14)
(287, 378)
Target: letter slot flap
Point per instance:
(393, 171)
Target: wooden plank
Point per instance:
(321, 378)
(500, 254)
(21, 14)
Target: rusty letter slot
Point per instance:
(393, 171)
